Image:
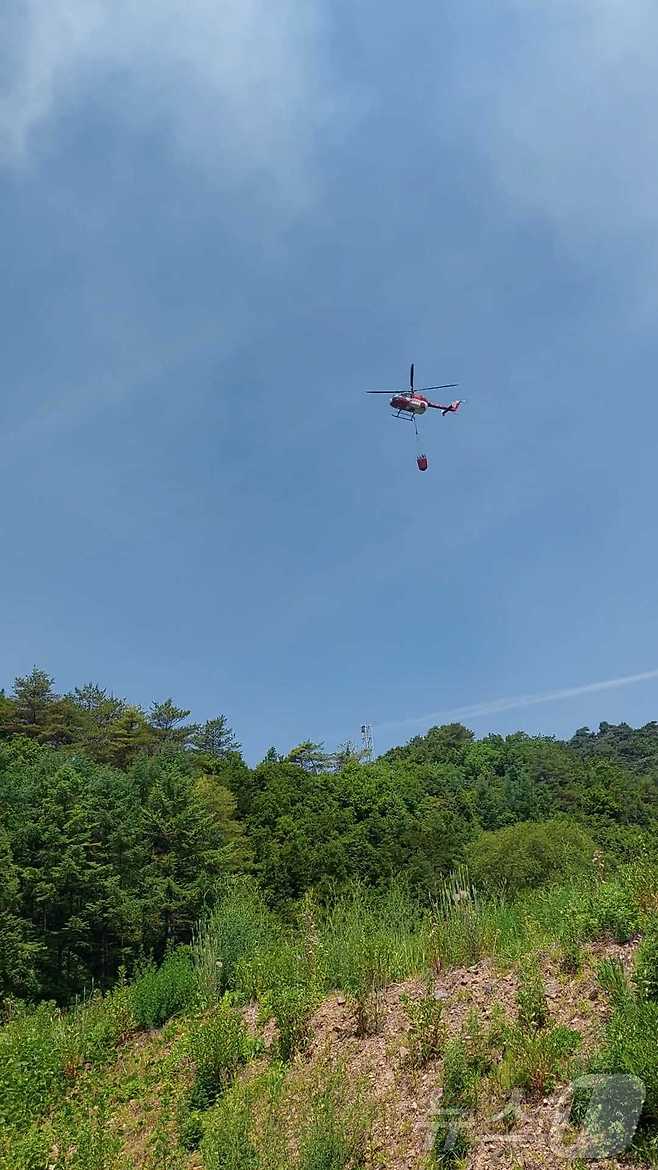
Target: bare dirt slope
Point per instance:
(408, 1098)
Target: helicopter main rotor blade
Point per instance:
(411, 378)
(386, 391)
(445, 386)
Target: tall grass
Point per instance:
(336, 1132)
(239, 927)
(218, 1047)
(289, 1121)
(368, 940)
(631, 1037)
(646, 964)
(359, 944)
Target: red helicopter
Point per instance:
(408, 403)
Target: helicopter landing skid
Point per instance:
(407, 418)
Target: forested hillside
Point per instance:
(117, 823)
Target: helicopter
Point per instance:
(409, 403)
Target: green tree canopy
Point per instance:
(527, 855)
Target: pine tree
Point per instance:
(100, 712)
(18, 951)
(33, 696)
(126, 736)
(215, 738)
(165, 718)
(310, 756)
(7, 716)
(64, 876)
(186, 850)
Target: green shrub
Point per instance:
(162, 992)
(646, 964)
(528, 855)
(218, 1047)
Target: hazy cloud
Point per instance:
(568, 115)
(240, 84)
(518, 702)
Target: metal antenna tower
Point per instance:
(367, 741)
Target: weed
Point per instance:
(239, 926)
(162, 992)
(227, 1142)
(91, 1143)
(535, 1060)
(450, 1146)
(335, 1135)
(426, 1036)
(218, 1047)
(459, 939)
(95, 1028)
(368, 940)
(646, 964)
(33, 1065)
(291, 1007)
(532, 1008)
(630, 1047)
(468, 1058)
(165, 1153)
(611, 912)
(30, 1150)
(460, 1079)
(479, 1042)
(190, 1130)
(455, 891)
(571, 952)
(613, 980)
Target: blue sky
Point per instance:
(221, 222)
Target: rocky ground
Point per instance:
(408, 1098)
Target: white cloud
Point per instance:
(568, 116)
(240, 84)
(518, 702)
